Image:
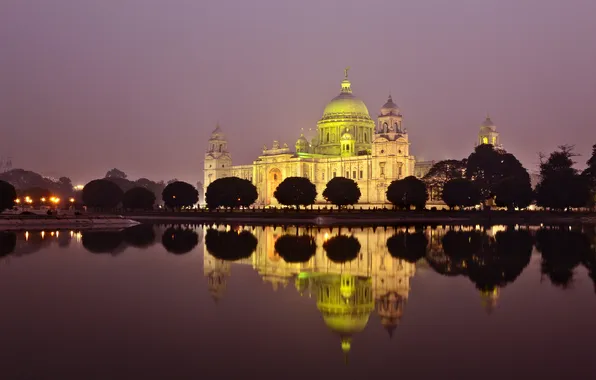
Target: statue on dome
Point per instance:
(346, 72)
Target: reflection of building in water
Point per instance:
(489, 299)
(346, 293)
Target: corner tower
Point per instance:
(218, 161)
(488, 133)
(344, 113)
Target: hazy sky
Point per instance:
(87, 85)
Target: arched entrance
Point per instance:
(274, 178)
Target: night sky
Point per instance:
(140, 84)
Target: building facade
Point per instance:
(348, 143)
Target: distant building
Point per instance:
(488, 134)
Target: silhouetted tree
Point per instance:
(296, 191)
(179, 240)
(407, 192)
(116, 173)
(590, 176)
(180, 194)
(441, 173)
(562, 251)
(230, 192)
(342, 248)
(138, 198)
(410, 247)
(295, 249)
(342, 191)
(461, 192)
(155, 187)
(102, 194)
(487, 166)
(103, 241)
(8, 242)
(8, 195)
(514, 192)
(139, 236)
(561, 186)
(230, 245)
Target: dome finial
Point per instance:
(346, 72)
(345, 84)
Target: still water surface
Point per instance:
(155, 303)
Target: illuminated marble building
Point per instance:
(488, 133)
(348, 143)
(346, 294)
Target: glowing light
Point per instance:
(43, 234)
(52, 234)
(17, 201)
(43, 199)
(71, 200)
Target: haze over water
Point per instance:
(152, 303)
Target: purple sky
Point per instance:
(139, 85)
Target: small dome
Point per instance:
(347, 136)
(390, 108)
(302, 140)
(488, 124)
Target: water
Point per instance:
(149, 303)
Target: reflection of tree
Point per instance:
(8, 242)
(103, 241)
(500, 263)
(562, 251)
(139, 236)
(295, 249)
(230, 245)
(179, 241)
(342, 248)
(488, 263)
(409, 247)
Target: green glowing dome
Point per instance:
(346, 106)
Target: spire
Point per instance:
(345, 84)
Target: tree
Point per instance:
(513, 192)
(230, 245)
(155, 187)
(441, 173)
(487, 166)
(590, 176)
(562, 251)
(296, 191)
(407, 192)
(8, 194)
(561, 186)
(230, 192)
(342, 248)
(116, 173)
(179, 241)
(295, 249)
(408, 247)
(342, 191)
(180, 194)
(461, 192)
(138, 198)
(102, 194)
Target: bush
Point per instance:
(230, 192)
(180, 194)
(102, 194)
(8, 195)
(138, 198)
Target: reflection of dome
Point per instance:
(489, 299)
(389, 108)
(346, 303)
(346, 105)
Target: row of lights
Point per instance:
(54, 200)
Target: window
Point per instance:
(399, 171)
(361, 174)
(275, 177)
(334, 174)
(220, 148)
(354, 174)
(494, 140)
(322, 176)
(327, 136)
(347, 174)
(485, 140)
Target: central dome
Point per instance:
(346, 105)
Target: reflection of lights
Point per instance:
(52, 234)
(43, 199)
(26, 235)
(17, 201)
(71, 233)
(71, 200)
(326, 236)
(57, 233)
(43, 234)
